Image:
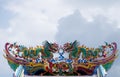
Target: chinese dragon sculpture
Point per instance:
(71, 59)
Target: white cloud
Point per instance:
(33, 22)
(92, 3)
(35, 19)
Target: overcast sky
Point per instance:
(30, 22)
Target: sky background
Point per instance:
(30, 22)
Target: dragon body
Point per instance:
(82, 60)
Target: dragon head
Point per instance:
(53, 47)
(70, 46)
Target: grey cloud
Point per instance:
(75, 27)
(92, 34)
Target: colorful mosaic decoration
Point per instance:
(71, 59)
